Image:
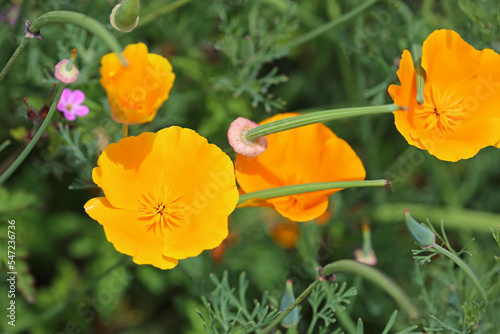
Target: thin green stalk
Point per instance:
(314, 320)
(4, 145)
(13, 58)
(157, 12)
(289, 309)
(5, 175)
(331, 25)
(345, 321)
(379, 279)
(82, 21)
(316, 117)
(457, 218)
(124, 130)
(465, 268)
(309, 187)
(419, 73)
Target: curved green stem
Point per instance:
(5, 175)
(462, 219)
(81, 21)
(465, 268)
(379, 279)
(316, 117)
(330, 25)
(13, 58)
(289, 309)
(309, 187)
(157, 12)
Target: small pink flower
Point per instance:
(65, 72)
(70, 104)
(236, 136)
(10, 15)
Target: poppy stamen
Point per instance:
(441, 112)
(161, 212)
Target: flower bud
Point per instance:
(366, 254)
(125, 16)
(288, 298)
(424, 237)
(66, 70)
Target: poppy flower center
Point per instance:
(441, 111)
(161, 212)
(132, 99)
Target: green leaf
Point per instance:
(360, 329)
(391, 322)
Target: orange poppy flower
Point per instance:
(286, 234)
(461, 111)
(307, 154)
(136, 91)
(168, 196)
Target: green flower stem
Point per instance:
(289, 309)
(309, 187)
(465, 268)
(5, 175)
(124, 130)
(13, 58)
(379, 279)
(157, 12)
(345, 321)
(367, 272)
(316, 117)
(331, 25)
(367, 239)
(82, 21)
(4, 145)
(462, 219)
(419, 72)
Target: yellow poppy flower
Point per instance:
(136, 91)
(168, 196)
(461, 110)
(307, 154)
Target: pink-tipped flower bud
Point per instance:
(366, 254)
(66, 71)
(369, 259)
(236, 136)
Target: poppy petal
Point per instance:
(124, 230)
